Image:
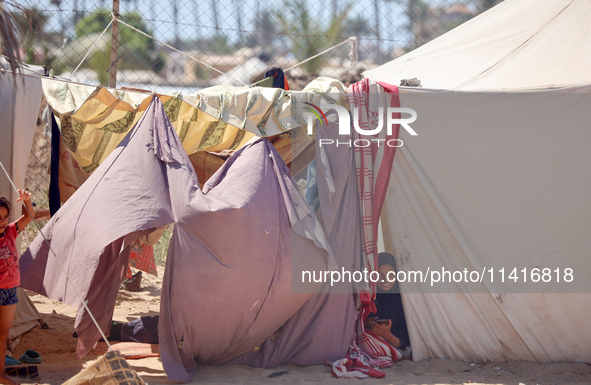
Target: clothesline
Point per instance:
(93, 45)
(353, 55)
(45, 77)
(173, 48)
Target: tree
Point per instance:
(136, 51)
(99, 62)
(133, 45)
(219, 44)
(30, 23)
(308, 36)
(9, 36)
(356, 26)
(419, 21)
(38, 45)
(265, 31)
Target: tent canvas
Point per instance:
(516, 45)
(497, 177)
(96, 266)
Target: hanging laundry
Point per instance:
(135, 191)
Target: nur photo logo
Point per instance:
(392, 116)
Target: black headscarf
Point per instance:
(388, 259)
(389, 304)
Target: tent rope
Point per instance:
(175, 49)
(94, 44)
(352, 40)
(53, 78)
(60, 263)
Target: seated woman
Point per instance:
(389, 306)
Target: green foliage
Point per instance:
(93, 23)
(52, 62)
(159, 62)
(132, 44)
(219, 44)
(161, 248)
(308, 36)
(202, 72)
(356, 26)
(38, 46)
(31, 23)
(265, 32)
(9, 42)
(100, 62)
(30, 54)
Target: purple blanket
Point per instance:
(227, 285)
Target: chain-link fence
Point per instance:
(37, 178)
(184, 45)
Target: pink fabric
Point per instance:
(142, 258)
(354, 368)
(9, 270)
(375, 346)
(341, 369)
(373, 164)
(380, 362)
(372, 168)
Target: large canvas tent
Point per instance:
(517, 45)
(497, 177)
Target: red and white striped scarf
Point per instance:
(372, 163)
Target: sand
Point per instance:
(57, 347)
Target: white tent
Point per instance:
(497, 180)
(517, 45)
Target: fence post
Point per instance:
(114, 46)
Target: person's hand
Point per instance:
(382, 330)
(24, 196)
(369, 322)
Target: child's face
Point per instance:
(3, 219)
(387, 273)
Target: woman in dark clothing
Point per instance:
(389, 306)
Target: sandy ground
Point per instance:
(57, 348)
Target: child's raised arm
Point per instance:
(24, 220)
